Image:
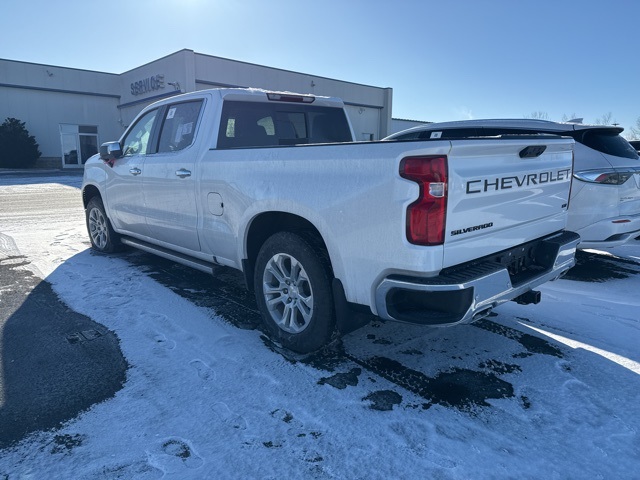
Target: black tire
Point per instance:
(292, 283)
(103, 238)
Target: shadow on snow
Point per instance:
(54, 362)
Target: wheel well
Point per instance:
(265, 225)
(88, 193)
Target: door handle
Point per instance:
(183, 173)
(135, 171)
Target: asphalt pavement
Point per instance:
(54, 362)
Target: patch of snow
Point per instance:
(205, 399)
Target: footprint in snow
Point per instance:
(174, 454)
(229, 418)
(160, 320)
(164, 342)
(204, 371)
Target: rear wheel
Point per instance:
(103, 237)
(293, 289)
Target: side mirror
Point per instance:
(110, 151)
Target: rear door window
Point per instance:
(179, 126)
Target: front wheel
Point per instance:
(103, 237)
(293, 289)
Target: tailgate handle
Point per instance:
(532, 151)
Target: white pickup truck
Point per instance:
(435, 232)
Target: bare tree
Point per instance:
(567, 118)
(605, 119)
(538, 115)
(635, 131)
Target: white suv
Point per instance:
(605, 196)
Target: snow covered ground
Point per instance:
(547, 391)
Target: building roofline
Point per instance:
(59, 90)
(157, 60)
(411, 120)
(197, 53)
(288, 71)
(57, 66)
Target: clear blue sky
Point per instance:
(445, 59)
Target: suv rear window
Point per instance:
(608, 142)
(464, 133)
(439, 134)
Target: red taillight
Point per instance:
(607, 176)
(426, 216)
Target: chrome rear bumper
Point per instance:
(470, 291)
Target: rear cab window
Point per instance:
(255, 124)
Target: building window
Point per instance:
(79, 142)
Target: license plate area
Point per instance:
(523, 262)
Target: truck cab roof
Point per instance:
(258, 95)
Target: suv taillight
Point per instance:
(426, 217)
(605, 176)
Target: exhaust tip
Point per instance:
(482, 313)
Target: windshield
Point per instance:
(610, 143)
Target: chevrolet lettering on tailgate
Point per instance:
(485, 185)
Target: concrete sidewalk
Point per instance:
(41, 172)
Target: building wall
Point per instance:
(46, 97)
(176, 69)
(44, 111)
(369, 108)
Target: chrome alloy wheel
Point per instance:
(288, 293)
(98, 228)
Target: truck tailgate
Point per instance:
(502, 193)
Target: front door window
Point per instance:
(136, 141)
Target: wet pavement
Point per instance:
(597, 268)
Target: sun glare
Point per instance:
(619, 359)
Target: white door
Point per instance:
(169, 179)
(124, 184)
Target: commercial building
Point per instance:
(71, 112)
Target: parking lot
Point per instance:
(544, 391)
